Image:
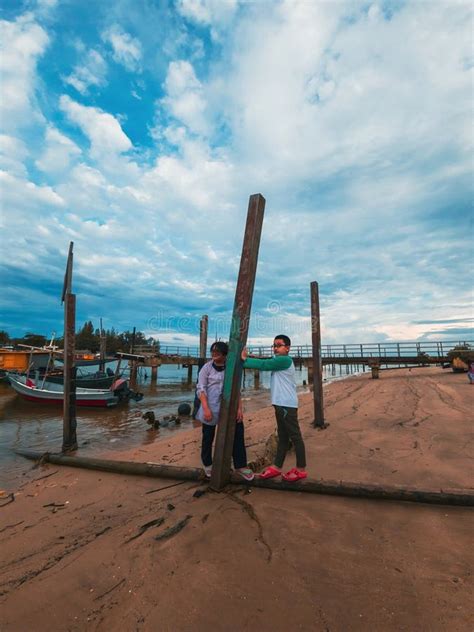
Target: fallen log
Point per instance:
(119, 467)
(459, 497)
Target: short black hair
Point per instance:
(285, 339)
(220, 346)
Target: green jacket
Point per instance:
(277, 363)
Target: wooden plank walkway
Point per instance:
(369, 354)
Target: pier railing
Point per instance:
(433, 349)
(168, 350)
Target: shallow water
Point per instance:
(34, 426)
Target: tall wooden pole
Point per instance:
(237, 340)
(203, 327)
(69, 400)
(203, 339)
(317, 362)
(102, 348)
(132, 343)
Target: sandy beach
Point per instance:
(82, 550)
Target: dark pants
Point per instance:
(288, 429)
(239, 453)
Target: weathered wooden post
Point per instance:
(102, 348)
(203, 328)
(237, 340)
(310, 372)
(133, 372)
(69, 399)
(375, 367)
(190, 373)
(203, 325)
(317, 362)
(154, 370)
(256, 378)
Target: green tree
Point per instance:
(34, 340)
(4, 338)
(86, 338)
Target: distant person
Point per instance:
(285, 403)
(470, 373)
(209, 390)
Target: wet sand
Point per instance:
(266, 560)
(28, 425)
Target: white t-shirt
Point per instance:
(283, 387)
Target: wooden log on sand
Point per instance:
(118, 467)
(460, 497)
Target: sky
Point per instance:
(138, 129)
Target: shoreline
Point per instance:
(263, 560)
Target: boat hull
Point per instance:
(54, 394)
(90, 403)
(86, 382)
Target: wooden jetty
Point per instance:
(371, 355)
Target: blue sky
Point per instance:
(139, 128)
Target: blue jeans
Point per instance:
(239, 454)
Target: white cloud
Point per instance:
(47, 4)
(101, 128)
(218, 14)
(24, 209)
(19, 193)
(91, 71)
(22, 44)
(185, 99)
(127, 49)
(198, 179)
(58, 152)
(13, 153)
(307, 95)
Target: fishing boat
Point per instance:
(14, 360)
(41, 361)
(100, 379)
(49, 393)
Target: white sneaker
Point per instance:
(207, 470)
(246, 473)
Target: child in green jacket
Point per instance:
(285, 403)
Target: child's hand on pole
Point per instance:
(244, 354)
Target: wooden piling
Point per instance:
(375, 367)
(190, 373)
(69, 370)
(310, 373)
(133, 372)
(154, 373)
(102, 348)
(132, 342)
(203, 326)
(256, 378)
(237, 340)
(317, 363)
